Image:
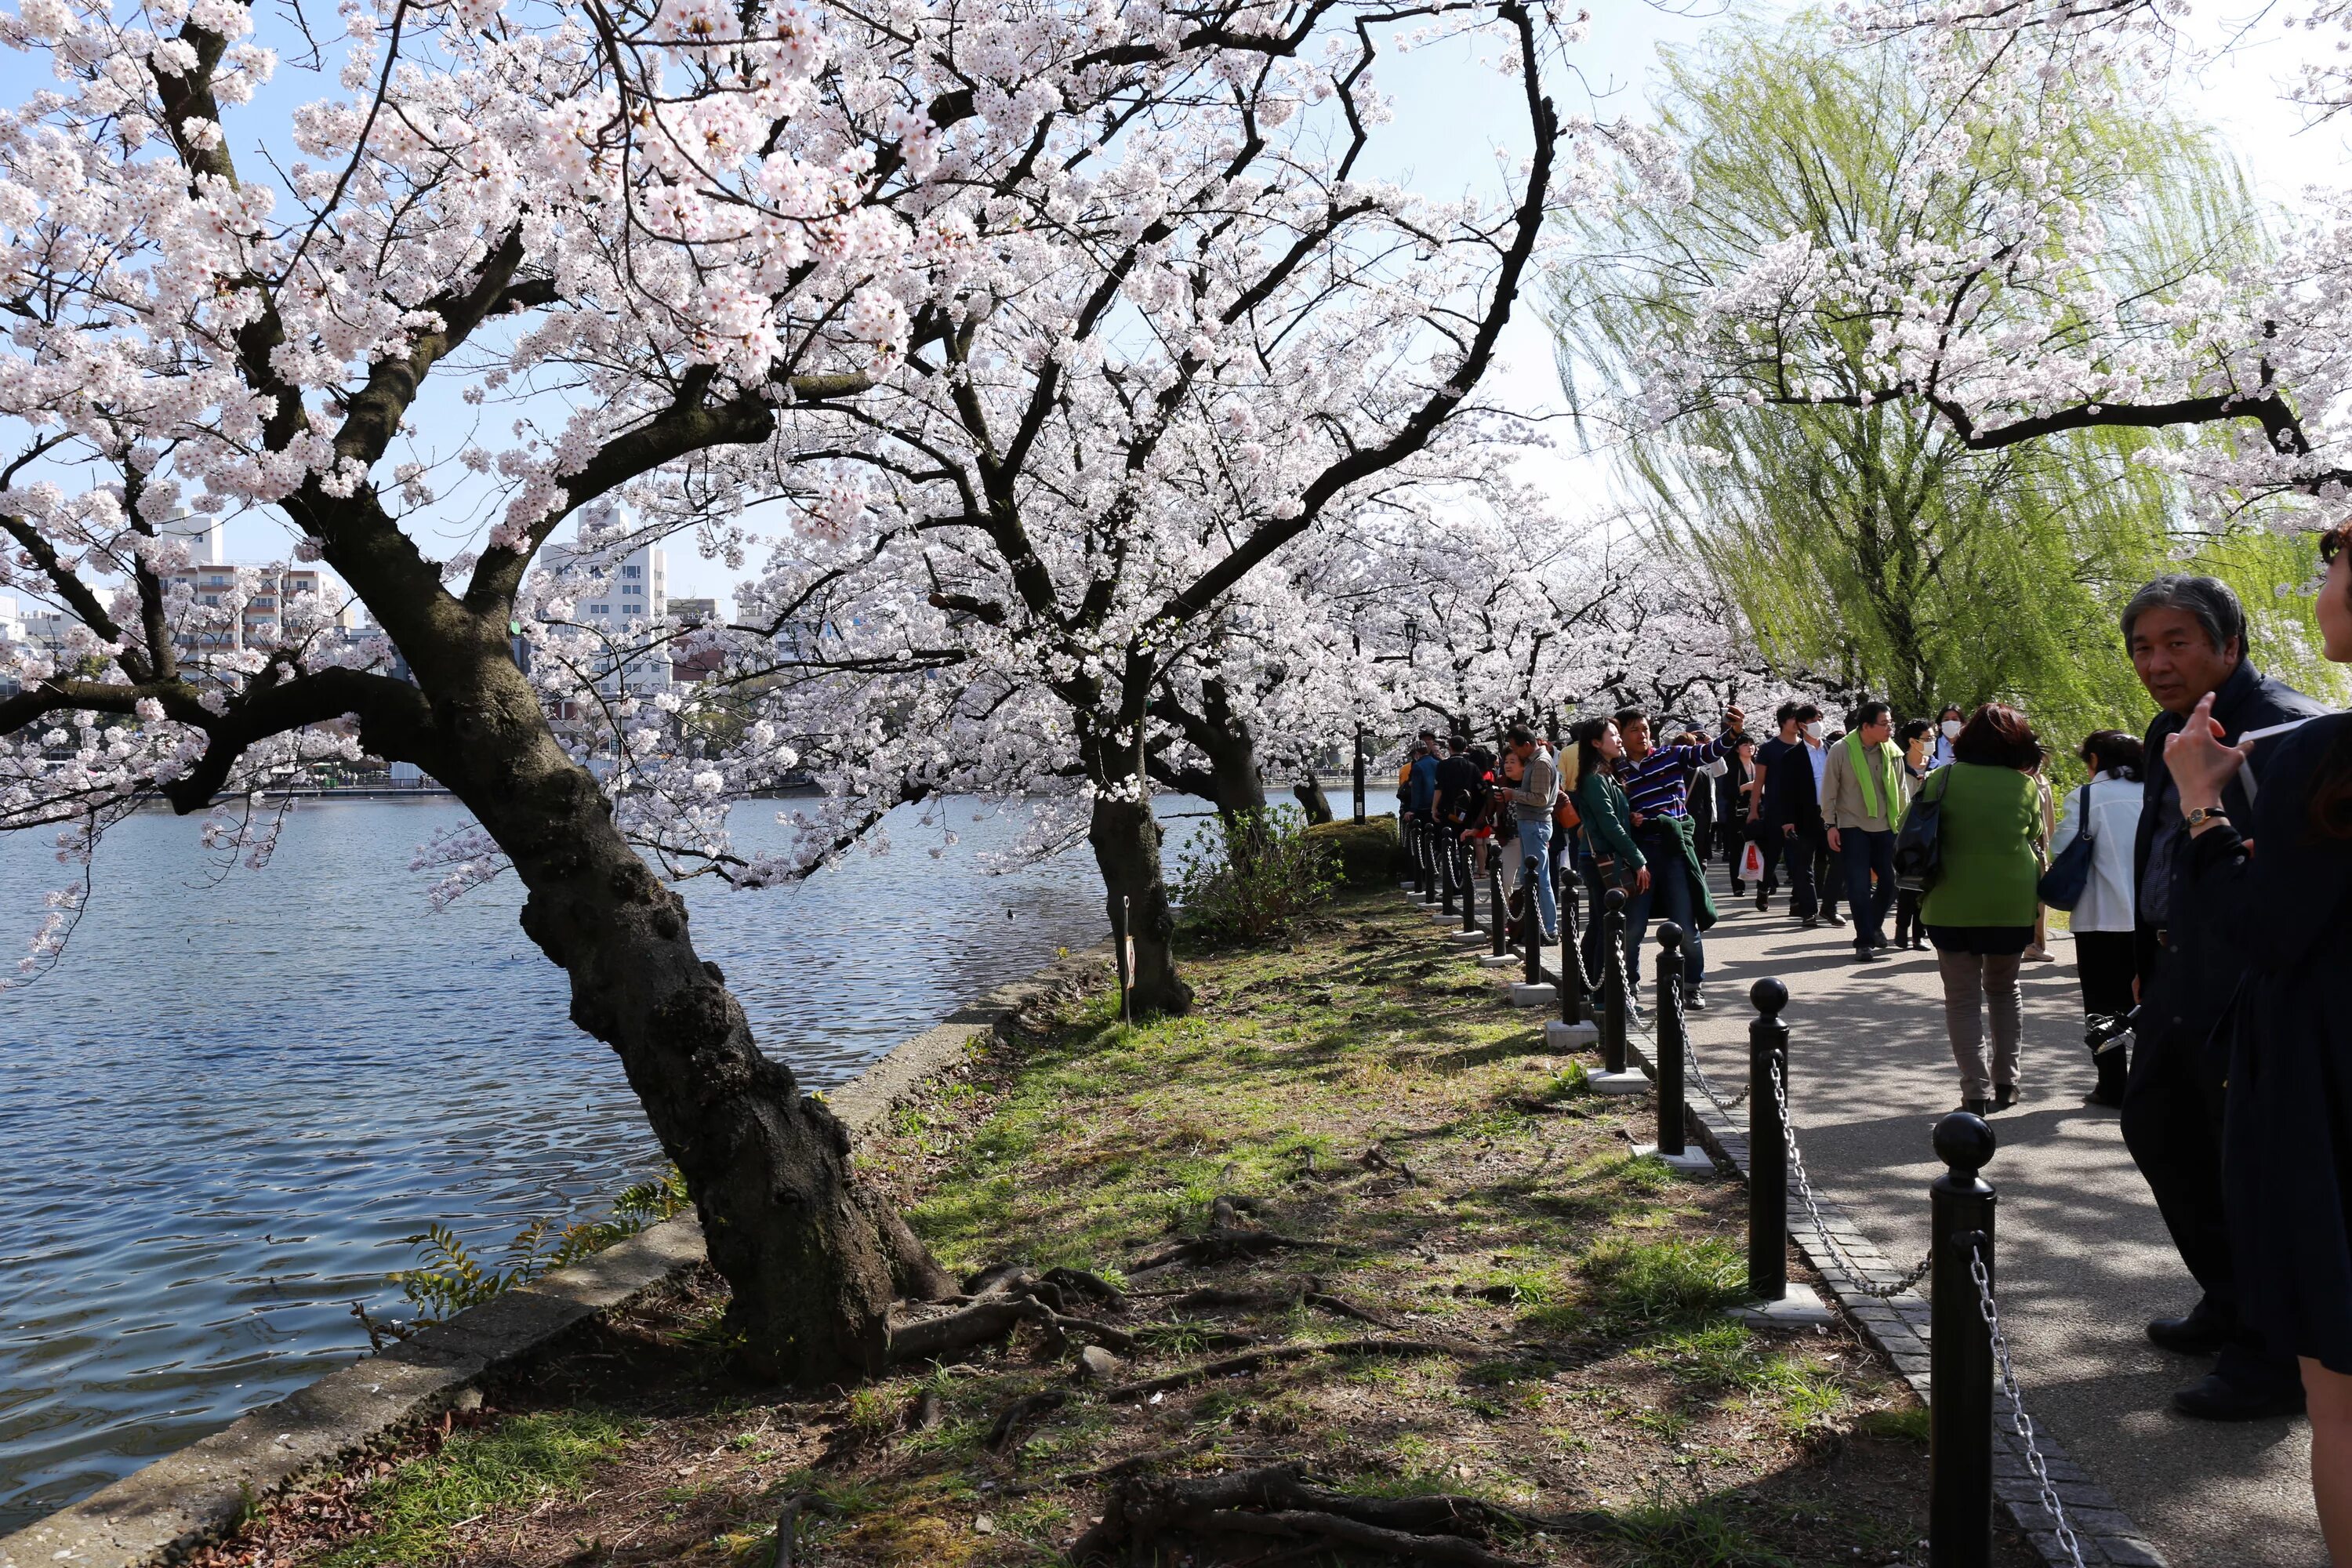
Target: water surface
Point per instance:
(237, 1094)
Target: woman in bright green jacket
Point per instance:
(1980, 912)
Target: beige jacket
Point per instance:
(1843, 804)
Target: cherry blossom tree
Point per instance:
(1049, 326)
(1216, 333)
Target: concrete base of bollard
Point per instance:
(1468, 938)
(1501, 961)
(1560, 1036)
(1690, 1161)
(1438, 912)
(1631, 1081)
(1799, 1308)
(1539, 994)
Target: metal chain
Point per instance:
(1845, 1259)
(2019, 1419)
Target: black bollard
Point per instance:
(1768, 1145)
(1669, 1064)
(1447, 875)
(1572, 957)
(1612, 981)
(1531, 928)
(1497, 907)
(1959, 1354)
(1469, 887)
(1430, 850)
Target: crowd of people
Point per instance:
(2204, 962)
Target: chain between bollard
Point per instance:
(2020, 1421)
(1845, 1259)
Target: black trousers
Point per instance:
(2172, 1125)
(2103, 962)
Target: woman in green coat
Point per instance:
(1980, 912)
(1611, 859)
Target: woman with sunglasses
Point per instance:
(2279, 889)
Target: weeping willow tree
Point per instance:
(1870, 541)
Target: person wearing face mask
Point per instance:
(1794, 767)
(1914, 737)
(1949, 725)
(1655, 781)
(2187, 637)
(2278, 898)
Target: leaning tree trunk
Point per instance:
(1127, 849)
(813, 1260)
(1311, 798)
(1237, 785)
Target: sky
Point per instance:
(1459, 128)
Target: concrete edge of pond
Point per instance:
(186, 1499)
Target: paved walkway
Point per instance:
(2083, 1258)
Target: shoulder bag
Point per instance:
(1919, 846)
(2063, 886)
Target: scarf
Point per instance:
(1876, 776)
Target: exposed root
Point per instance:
(1379, 1159)
(926, 1413)
(788, 1523)
(1223, 1246)
(999, 1302)
(1278, 1501)
(1305, 1292)
(1010, 1420)
(1251, 1361)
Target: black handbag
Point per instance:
(2069, 877)
(1918, 846)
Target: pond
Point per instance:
(237, 1094)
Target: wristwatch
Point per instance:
(2205, 814)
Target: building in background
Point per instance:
(210, 579)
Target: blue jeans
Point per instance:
(1535, 840)
(1865, 852)
(1670, 897)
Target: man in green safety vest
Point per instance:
(1864, 791)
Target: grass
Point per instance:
(524, 1460)
(1375, 1096)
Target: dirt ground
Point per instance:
(1344, 1268)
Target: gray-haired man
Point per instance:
(2186, 637)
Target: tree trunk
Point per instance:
(1311, 798)
(1127, 849)
(1225, 738)
(813, 1260)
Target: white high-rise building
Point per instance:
(635, 588)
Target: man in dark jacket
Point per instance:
(2187, 637)
(1793, 766)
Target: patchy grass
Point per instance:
(1530, 1316)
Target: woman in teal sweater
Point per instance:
(1980, 912)
(1611, 859)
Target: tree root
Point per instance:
(1377, 1159)
(1224, 1245)
(1250, 1360)
(1010, 1419)
(1005, 1299)
(1307, 1292)
(1279, 1502)
(788, 1523)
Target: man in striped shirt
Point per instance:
(1656, 779)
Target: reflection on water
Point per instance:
(231, 1101)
